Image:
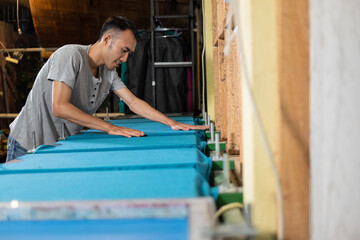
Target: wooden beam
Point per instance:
(233, 108)
(293, 39)
(221, 18)
(223, 91)
(217, 91)
(214, 22)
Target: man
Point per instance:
(71, 86)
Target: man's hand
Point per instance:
(183, 126)
(141, 108)
(124, 131)
(63, 108)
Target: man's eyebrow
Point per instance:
(126, 49)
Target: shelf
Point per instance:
(172, 64)
(173, 16)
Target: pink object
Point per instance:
(189, 89)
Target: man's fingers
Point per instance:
(187, 127)
(135, 132)
(126, 132)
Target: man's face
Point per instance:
(118, 48)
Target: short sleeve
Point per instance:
(64, 66)
(116, 83)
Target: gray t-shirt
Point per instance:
(69, 64)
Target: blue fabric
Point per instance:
(135, 229)
(96, 166)
(182, 119)
(149, 128)
(94, 134)
(198, 121)
(123, 143)
(102, 185)
(113, 160)
(14, 149)
(215, 192)
(99, 134)
(139, 123)
(152, 126)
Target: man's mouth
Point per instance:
(118, 63)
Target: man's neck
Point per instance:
(95, 59)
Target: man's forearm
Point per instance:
(143, 109)
(63, 108)
(71, 113)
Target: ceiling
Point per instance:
(59, 22)
(24, 3)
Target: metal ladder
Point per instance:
(154, 64)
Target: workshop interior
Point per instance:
(275, 81)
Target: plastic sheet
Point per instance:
(103, 185)
(113, 160)
(182, 119)
(86, 144)
(150, 129)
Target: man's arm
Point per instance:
(141, 108)
(63, 108)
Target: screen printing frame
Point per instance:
(198, 211)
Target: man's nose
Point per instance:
(124, 57)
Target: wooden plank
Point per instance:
(214, 22)
(221, 17)
(66, 17)
(293, 166)
(223, 91)
(217, 91)
(233, 86)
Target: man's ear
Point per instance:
(106, 39)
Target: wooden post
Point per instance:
(293, 26)
(223, 90)
(4, 85)
(233, 108)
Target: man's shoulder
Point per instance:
(73, 49)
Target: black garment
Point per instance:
(170, 82)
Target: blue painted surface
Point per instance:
(114, 160)
(97, 166)
(181, 119)
(98, 185)
(151, 128)
(134, 229)
(157, 125)
(92, 133)
(122, 143)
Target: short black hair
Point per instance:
(118, 23)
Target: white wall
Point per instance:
(335, 119)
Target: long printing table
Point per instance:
(99, 186)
